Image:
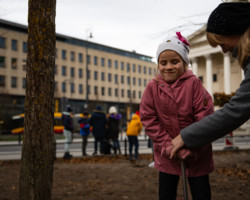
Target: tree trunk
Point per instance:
(38, 153)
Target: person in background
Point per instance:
(84, 131)
(171, 101)
(229, 27)
(113, 124)
(67, 132)
(98, 122)
(133, 130)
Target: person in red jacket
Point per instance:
(174, 99)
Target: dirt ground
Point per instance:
(116, 178)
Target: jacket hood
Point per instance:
(98, 114)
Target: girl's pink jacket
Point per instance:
(166, 109)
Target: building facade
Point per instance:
(86, 74)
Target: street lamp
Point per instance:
(88, 35)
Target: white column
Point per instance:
(227, 74)
(209, 74)
(195, 66)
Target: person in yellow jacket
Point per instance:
(133, 130)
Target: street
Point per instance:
(12, 150)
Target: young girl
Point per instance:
(174, 99)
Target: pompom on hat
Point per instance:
(229, 19)
(177, 43)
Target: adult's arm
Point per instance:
(223, 121)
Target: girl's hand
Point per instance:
(177, 143)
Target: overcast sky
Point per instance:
(138, 25)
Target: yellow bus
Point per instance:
(18, 123)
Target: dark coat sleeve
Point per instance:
(224, 120)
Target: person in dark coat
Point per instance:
(113, 128)
(98, 123)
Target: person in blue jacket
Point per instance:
(229, 27)
(98, 123)
(84, 131)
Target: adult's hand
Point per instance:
(177, 143)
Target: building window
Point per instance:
(122, 79)
(72, 56)
(103, 91)
(103, 76)
(13, 82)
(134, 68)
(24, 65)
(55, 70)
(109, 77)
(2, 61)
(116, 92)
(88, 59)
(116, 64)
(63, 87)
(122, 65)
(88, 89)
(25, 47)
(116, 79)
(80, 57)
(80, 89)
(24, 83)
(80, 73)
(145, 82)
(128, 93)
(95, 60)
(122, 92)
(96, 90)
(134, 94)
(110, 91)
(214, 77)
(109, 63)
(55, 86)
(149, 71)
(134, 81)
(139, 68)
(128, 67)
(2, 81)
(72, 88)
(95, 75)
(64, 56)
(2, 43)
(72, 72)
(128, 80)
(139, 81)
(64, 71)
(14, 45)
(102, 62)
(13, 63)
(145, 70)
(88, 74)
(139, 95)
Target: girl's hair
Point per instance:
(243, 45)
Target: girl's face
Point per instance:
(171, 66)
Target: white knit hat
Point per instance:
(177, 43)
(112, 110)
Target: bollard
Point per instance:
(125, 146)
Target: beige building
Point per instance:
(219, 72)
(115, 77)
